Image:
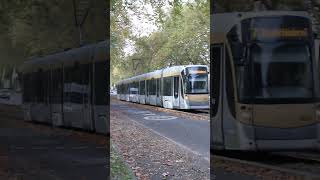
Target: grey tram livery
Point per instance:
(177, 87)
(264, 82)
(68, 89)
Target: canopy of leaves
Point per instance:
(40, 27)
(182, 38)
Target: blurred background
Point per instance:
(40, 27)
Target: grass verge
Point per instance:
(119, 169)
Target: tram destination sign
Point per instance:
(279, 33)
(197, 70)
(277, 28)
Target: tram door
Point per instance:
(216, 94)
(73, 99)
(176, 97)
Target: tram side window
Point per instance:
(235, 44)
(142, 87)
(176, 86)
(181, 88)
(40, 84)
(126, 88)
(229, 85)
(147, 87)
(152, 90)
(167, 86)
(158, 87)
(122, 88)
(216, 58)
(67, 84)
(101, 83)
(33, 87)
(76, 85)
(46, 86)
(136, 85)
(26, 88)
(84, 71)
(57, 86)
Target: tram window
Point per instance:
(167, 86)
(142, 87)
(33, 85)
(176, 86)
(77, 91)
(147, 87)
(36, 85)
(229, 85)
(235, 44)
(153, 87)
(181, 88)
(216, 58)
(40, 90)
(46, 86)
(84, 71)
(127, 88)
(57, 85)
(101, 83)
(158, 87)
(26, 85)
(67, 81)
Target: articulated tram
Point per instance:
(264, 82)
(68, 88)
(178, 87)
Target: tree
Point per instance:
(182, 38)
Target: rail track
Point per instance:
(292, 163)
(195, 114)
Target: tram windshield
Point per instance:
(196, 80)
(281, 70)
(133, 91)
(279, 59)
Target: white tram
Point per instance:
(264, 82)
(178, 87)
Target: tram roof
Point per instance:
(173, 70)
(223, 22)
(81, 55)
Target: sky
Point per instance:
(142, 25)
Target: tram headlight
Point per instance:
(246, 117)
(186, 97)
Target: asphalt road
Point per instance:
(193, 135)
(29, 151)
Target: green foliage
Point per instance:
(182, 38)
(119, 169)
(40, 27)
